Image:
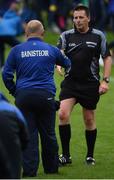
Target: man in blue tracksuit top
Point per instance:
(34, 62)
(13, 139)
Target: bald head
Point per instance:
(34, 28)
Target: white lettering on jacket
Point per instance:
(33, 53)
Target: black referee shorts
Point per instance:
(86, 93)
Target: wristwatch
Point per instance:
(106, 79)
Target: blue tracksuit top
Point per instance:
(34, 62)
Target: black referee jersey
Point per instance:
(84, 50)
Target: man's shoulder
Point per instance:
(49, 46)
(97, 31)
(18, 46)
(53, 48)
(70, 31)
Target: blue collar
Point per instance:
(34, 38)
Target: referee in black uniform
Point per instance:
(83, 45)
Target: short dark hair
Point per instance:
(82, 7)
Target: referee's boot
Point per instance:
(90, 161)
(64, 160)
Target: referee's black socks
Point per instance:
(65, 135)
(90, 140)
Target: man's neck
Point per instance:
(83, 30)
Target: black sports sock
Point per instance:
(90, 140)
(65, 135)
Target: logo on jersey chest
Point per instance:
(71, 44)
(91, 44)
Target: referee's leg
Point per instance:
(90, 133)
(66, 107)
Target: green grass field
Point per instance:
(104, 149)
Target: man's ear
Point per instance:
(43, 33)
(26, 33)
(89, 19)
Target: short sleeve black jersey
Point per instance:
(84, 50)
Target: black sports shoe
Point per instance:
(64, 160)
(90, 161)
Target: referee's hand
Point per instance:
(59, 70)
(103, 88)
